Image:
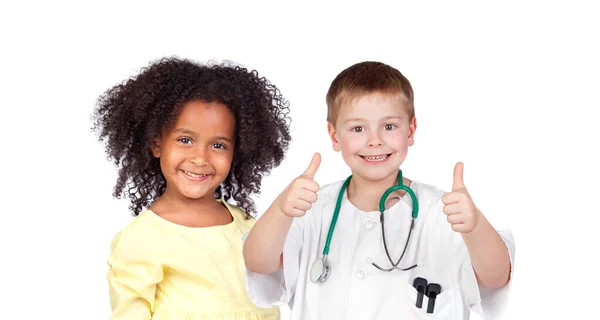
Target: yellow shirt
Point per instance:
(161, 270)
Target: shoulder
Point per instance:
(136, 233)
(330, 190)
(426, 193)
(430, 203)
(327, 197)
(328, 193)
(240, 217)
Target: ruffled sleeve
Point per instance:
(132, 277)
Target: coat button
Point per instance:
(361, 273)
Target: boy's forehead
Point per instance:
(374, 105)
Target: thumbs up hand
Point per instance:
(459, 208)
(301, 193)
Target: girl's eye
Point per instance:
(357, 129)
(185, 140)
(389, 127)
(219, 146)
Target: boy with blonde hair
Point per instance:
(377, 245)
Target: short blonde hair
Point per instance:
(365, 78)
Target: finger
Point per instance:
(452, 197)
(461, 227)
(308, 196)
(457, 181)
(456, 218)
(301, 204)
(301, 184)
(307, 184)
(296, 212)
(452, 209)
(313, 167)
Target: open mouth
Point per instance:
(376, 158)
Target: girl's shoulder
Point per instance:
(240, 217)
(135, 232)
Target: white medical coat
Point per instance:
(358, 290)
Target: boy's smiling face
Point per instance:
(373, 133)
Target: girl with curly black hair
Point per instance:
(188, 139)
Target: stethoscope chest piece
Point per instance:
(320, 270)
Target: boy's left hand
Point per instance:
(458, 205)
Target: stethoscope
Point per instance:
(321, 269)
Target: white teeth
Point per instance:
(194, 175)
(376, 158)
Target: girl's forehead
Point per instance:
(202, 116)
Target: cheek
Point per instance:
(397, 140)
(171, 157)
(174, 153)
(351, 143)
(222, 162)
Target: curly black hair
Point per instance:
(130, 116)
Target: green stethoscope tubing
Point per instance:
(321, 270)
(386, 194)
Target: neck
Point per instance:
(365, 194)
(174, 203)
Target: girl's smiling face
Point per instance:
(196, 151)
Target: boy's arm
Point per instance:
(488, 252)
(264, 245)
(489, 255)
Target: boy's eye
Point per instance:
(219, 146)
(389, 127)
(357, 129)
(185, 140)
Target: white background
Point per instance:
(509, 89)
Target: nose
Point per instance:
(375, 140)
(199, 156)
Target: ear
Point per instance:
(333, 136)
(156, 147)
(412, 128)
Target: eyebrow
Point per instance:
(223, 138)
(392, 117)
(353, 120)
(187, 131)
(384, 118)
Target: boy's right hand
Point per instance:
(299, 195)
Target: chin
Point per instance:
(197, 195)
(375, 177)
(377, 174)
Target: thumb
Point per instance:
(457, 182)
(312, 168)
